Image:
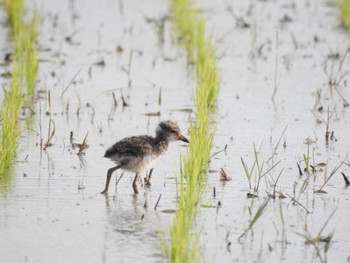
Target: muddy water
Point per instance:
(52, 210)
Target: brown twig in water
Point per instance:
(223, 176)
(83, 146)
(155, 207)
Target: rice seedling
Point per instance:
(255, 218)
(274, 185)
(10, 111)
(278, 143)
(336, 74)
(319, 238)
(15, 11)
(159, 27)
(24, 37)
(320, 190)
(257, 169)
(306, 159)
(184, 246)
(52, 127)
(30, 60)
(295, 201)
(284, 234)
(344, 7)
(276, 70)
(24, 70)
(70, 82)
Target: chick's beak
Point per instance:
(184, 139)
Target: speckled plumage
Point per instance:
(137, 153)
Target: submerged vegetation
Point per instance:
(344, 6)
(24, 71)
(191, 28)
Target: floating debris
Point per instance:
(250, 195)
(6, 75)
(124, 102)
(332, 137)
(347, 182)
(169, 211)
(286, 19)
(100, 63)
(83, 146)
(270, 195)
(223, 176)
(189, 110)
(241, 23)
(119, 49)
(320, 191)
(325, 239)
(281, 196)
(208, 206)
(152, 114)
(8, 57)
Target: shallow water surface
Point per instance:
(52, 210)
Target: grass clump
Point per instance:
(24, 71)
(24, 35)
(15, 12)
(344, 7)
(30, 51)
(10, 112)
(184, 245)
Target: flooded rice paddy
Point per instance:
(114, 69)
